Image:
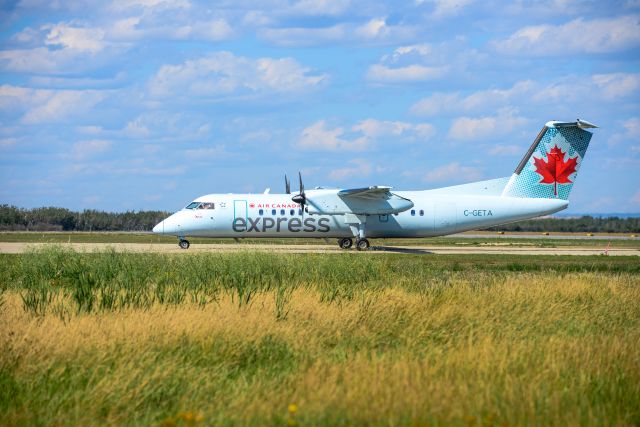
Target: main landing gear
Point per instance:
(361, 244)
(184, 244)
(345, 243)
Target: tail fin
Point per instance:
(549, 168)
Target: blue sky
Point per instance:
(147, 104)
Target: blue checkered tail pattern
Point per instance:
(550, 167)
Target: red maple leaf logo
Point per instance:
(555, 170)
(252, 205)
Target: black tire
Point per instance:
(184, 244)
(362, 244)
(345, 243)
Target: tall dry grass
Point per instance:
(459, 344)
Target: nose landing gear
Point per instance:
(184, 244)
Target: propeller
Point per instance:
(287, 184)
(300, 198)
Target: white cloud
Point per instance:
(578, 36)
(223, 73)
(61, 49)
(319, 7)
(162, 125)
(151, 4)
(89, 148)
(412, 63)
(90, 130)
(375, 28)
(8, 142)
(453, 102)
(453, 172)
(375, 31)
(304, 36)
(137, 128)
(467, 128)
(214, 30)
(617, 85)
(630, 137)
(372, 128)
(27, 36)
(134, 28)
(75, 38)
(410, 73)
(39, 59)
(504, 150)
(362, 135)
(359, 168)
(571, 89)
(446, 8)
(45, 106)
(319, 137)
(62, 105)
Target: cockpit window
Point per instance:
(192, 205)
(206, 206)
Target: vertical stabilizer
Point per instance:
(550, 166)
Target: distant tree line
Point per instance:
(61, 219)
(583, 224)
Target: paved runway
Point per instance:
(596, 249)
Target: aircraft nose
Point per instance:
(159, 228)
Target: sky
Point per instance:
(147, 104)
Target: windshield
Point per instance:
(192, 205)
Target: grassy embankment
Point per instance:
(488, 239)
(150, 339)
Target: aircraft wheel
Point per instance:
(345, 243)
(362, 244)
(184, 244)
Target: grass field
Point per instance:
(488, 240)
(318, 339)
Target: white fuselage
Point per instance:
(275, 215)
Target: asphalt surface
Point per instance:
(597, 249)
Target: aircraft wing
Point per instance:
(371, 193)
(375, 200)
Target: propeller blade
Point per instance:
(301, 184)
(287, 184)
(300, 198)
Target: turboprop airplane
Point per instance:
(540, 185)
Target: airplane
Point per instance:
(540, 185)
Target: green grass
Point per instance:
(235, 338)
(147, 238)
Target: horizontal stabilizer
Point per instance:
(582, 124)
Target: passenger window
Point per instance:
(299, 211)
(281, 211)
(292, 212)
(261, 212)
(413, 212)
(421, 212)
(273, 212)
